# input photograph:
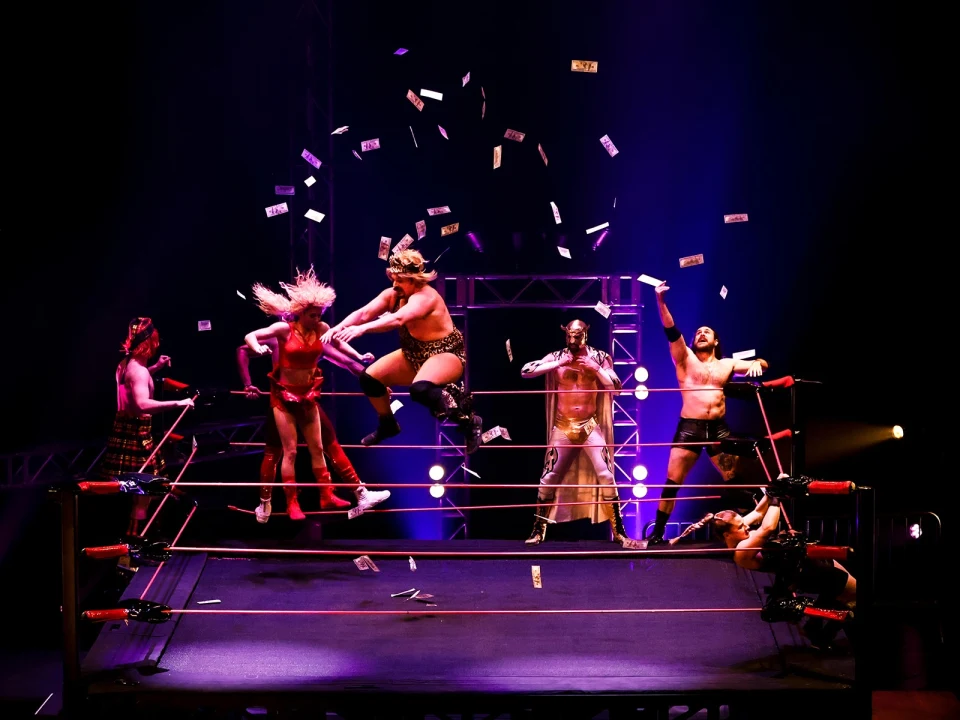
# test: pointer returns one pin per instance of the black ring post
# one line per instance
(69, 544)
(866, 554)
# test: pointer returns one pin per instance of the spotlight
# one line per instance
(639, 472)
(897, 432)
(915, 531)
(639, 490)
(437, 472)
(641, 375)
(475, 241)
(600, 238)
(641, 392)
(437, 490)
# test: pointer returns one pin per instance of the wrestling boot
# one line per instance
(539, 532)
(387, 427)
(293, 505)
(472, 429)
(341, 465)
(263, 511)
(366, 499)
(328, 501)
(620, 533)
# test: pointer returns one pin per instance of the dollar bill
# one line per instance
(361, 563)
(691, 260)
(514, 135)
(614, 202)
(466, 79)
(204, 325)
(603, 309)
(497, 155)
(417, 102)
(744, 355)
(483, 92)
(310, 181)
(395, 406)
(274, 210)
(284, 190)
(405, 242)
(242, 296)
(608, 145)
(495, 432)
(354, 512)
(564, 252)
(413, 136)
(651, 281)
(340, 130)
(542, 153)
(384, 251)
(357, 156)
(413, 564)
(400, 51)
(466, 469)
(723, 292)
(483, 110)
(314, 215)
(505, 434)
(310, 158)
(370, 145)
(556, 212)
(431, 94)
(443, 132)
(735, 218)
(601, 226)
(537, 580)
(449, 229)
(589, 66)
(509, 352)
(442, 210)
(421, 229)
(370, 563)
(411, 591)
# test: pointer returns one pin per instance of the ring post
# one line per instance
(866, 567)
(69, 545)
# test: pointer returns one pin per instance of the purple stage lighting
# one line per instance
(600, 238)
(475, 241)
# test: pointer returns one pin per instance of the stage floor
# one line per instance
(595, 654)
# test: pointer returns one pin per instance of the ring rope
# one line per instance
(572, 611)
(143, 533)
(459, 553)
(499, 447)
(157, 571)
(465, 486)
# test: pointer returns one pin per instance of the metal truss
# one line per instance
(55, 463)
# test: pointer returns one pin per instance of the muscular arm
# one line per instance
(376, 307)
(750, 367)
(539, 367)
(332, 353)
(417, 307)
(678, 348)
(244, 353)
(757, 514)
(607, 375)
(276, 331)
(759, 537)
(137, 380)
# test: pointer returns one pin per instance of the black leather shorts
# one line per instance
(704, 431)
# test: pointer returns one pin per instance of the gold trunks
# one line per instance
(576, 430)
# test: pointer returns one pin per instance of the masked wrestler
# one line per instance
(273, 448)
(130, 442)
(296, 379)
(431, 358)
(581, 427)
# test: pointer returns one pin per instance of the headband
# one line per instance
(411, 268)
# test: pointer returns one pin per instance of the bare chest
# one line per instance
(575, 377)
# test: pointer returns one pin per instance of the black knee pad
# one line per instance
(371, 386)
(670, 493)
(433, 397)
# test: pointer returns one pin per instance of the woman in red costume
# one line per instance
(296, 379)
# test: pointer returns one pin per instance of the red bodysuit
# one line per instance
(294, 355)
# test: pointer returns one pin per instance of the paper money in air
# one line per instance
(276, 209)
(284, 190)
(652, 281)
(431, 94)
(370, 145)
(413, 564)
(483, 110)
(601, 226)
(514, 135)
(384, 251)
(691, 260)
(311, 158)
(744, 354)
(417, 102)
(413, 136)
(497, 155)
(509, 352)
(564, 252)
(242, 296)
(589, 66)
(400, 51)
(354, 512)
(204, 325)
(449, 229)
(405, 242)
(443, 132)
(442, 210)
(608, 145)
(723, 291)
(542, 154)
(466, 79)
(314, 215)
(310, 181)
(357, 155)
(370, 563)
(495, 432)
(361, 563)
(395, 405)
(556, 212)
(735, 218)
(421, 229)
(603, 309)
(340, 130)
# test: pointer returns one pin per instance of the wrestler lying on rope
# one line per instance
(762, 549)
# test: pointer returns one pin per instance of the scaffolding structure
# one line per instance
(619, 293)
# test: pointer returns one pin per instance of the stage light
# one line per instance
(915, 531)
(639, 472)
(437, 472)
(437, 490)
(639, 490)
(897, 432)
(600, 238)
(475, 241)
(641, 392)
(641, 375)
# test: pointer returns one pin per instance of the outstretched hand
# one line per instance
(348, 333)
(327, 337)
(661, 289)
(367, 358)
(756, 369)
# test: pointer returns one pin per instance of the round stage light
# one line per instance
(915, 531)
(639, 490)
(437, 472)
(641, 392)
(897, 432)
(640, 472)
(641, 375)
(437, 490)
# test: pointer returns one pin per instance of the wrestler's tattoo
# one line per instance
(726, 462)
(531, 366)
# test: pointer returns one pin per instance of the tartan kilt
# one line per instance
(128, 446)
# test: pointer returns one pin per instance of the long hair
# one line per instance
(306, 292)
(719, 523)
(409, 265)
(142, 341)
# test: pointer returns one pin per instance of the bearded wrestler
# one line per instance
(581, 428)
(431, 358)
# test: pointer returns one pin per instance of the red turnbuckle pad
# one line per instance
(107, 551)
(106, 615)
(827, 552)
(838, 615)
(830, 487)
(96, 487)
(783, 382)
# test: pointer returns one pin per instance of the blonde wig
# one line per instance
(306, 292)
(410, 265)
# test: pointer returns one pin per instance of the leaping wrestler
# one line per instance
(580, 430)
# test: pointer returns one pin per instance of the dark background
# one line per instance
(149, 136)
